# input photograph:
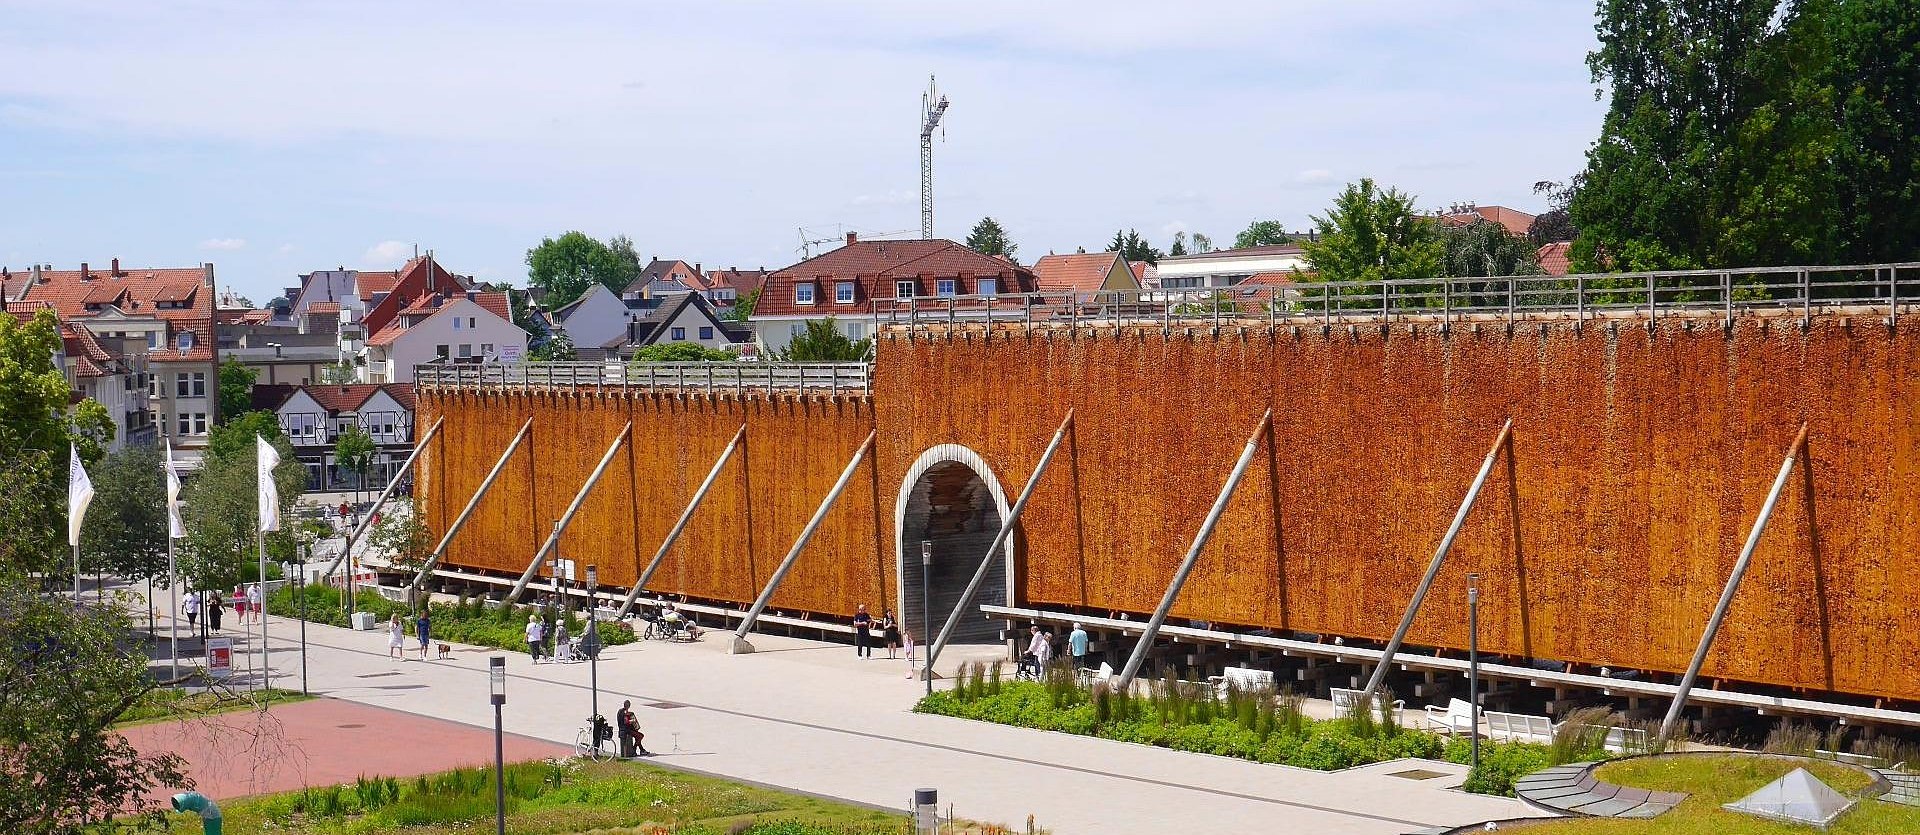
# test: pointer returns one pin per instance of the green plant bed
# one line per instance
(167, 704)
(549, 797)
(1714, 779)
(464, 622)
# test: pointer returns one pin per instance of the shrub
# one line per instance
(1501, 764)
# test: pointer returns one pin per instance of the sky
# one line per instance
(273, 138)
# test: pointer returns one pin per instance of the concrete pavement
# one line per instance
(811, 717)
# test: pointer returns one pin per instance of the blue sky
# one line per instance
(277, 138)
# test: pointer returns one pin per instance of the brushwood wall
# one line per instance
(1639, 460)
(793, 451)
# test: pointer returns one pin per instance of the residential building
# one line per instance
(1515, 221)
(1223, 268)
(1553, 258)
(313, 416)
(275, 349)
(663, 278)
(686, 317)
(854, 282)
(465, 326)
(1086, 272)
(595, 320)
(156, 322)
(726, 287)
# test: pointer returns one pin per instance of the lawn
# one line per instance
(1714, 780)
(550, 797)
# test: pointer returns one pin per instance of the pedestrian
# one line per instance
(889, 631)
(423, 628)
(906, 638)
(862, 641)
(240, 604)
(255, 603)
(629, 728)
(1077, 646)
(191, 603)
(396, 638)
(214, 607)
(536, 633)
(561, 651)
(1037, 651)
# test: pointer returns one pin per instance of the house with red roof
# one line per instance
(1516, 222)
(1553, 258)
(866, 282)
(467, 326)
(314, 416)
(1222, 268)
(156, 323)
(1084, 272)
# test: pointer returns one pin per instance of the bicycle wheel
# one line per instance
(583, 744)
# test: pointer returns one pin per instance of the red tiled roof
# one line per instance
(1080, 272)
(178, 291)
(402, 393)
(136, 291)
(1553, 258)
(419, 277)
(874, 266)
(324, 307)
(386, 335)
(1515, 221)
(741, 281)
(345, 398)
(24, 311)
(271, 396)
(101, 292)
(369, 282)
(90, 358)
(1139, 271)
(495, 303)
(1276, 279)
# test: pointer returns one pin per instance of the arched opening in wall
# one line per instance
(952, 507)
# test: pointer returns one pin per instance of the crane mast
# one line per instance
(932, 107)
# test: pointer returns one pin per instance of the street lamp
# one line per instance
(497, 681)
(926, 610)
(592, 644)
(1473, 665)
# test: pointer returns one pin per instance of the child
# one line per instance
(906, 637)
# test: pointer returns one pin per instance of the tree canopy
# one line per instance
(236, 389)
(567, 266)
(125, 532)
(36, 425)
(1133, 247)
(353, 451)
(220, 510)
(1371, 234)
(1262, 233)
(823, 342)
(1485, 248)
(989, 238)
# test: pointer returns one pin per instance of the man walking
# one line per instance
(1077, 646)
(862, 639)
(191, 605)
(536, 633)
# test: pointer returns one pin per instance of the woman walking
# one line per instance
(214, 607)
(889, 631)
(424, 629)
(191, 605)
(396, 638)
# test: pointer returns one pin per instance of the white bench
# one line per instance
(1245, 679)
(1865, 760)
(1625, 741)
(1346, 701)
(1456, 718)
(1519, 727)
(1088, 676)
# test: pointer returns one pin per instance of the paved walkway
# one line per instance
(811, 717)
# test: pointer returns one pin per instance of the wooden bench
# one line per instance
(1519, 727)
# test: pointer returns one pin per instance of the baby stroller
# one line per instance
(1029, 669)
(585, 647)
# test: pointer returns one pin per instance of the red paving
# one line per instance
(322, 742)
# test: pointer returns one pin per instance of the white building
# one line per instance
(683, 318)
(443, 328)
(314, 416)
(593, 321)
(1226, 267)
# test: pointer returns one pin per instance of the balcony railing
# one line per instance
(709, 377)
(1882, 289)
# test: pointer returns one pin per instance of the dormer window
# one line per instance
(904, 289)
(185, 341)
(945, 287)
(803, 293)
(843, 292)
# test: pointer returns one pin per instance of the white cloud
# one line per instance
(228, 244)
(387, 254)
(1313, 177)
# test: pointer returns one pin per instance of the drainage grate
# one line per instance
(377, 675)
(351, 725)
(1417, 774)
(400, 687)
(666, 705)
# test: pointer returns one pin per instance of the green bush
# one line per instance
(1501, 764)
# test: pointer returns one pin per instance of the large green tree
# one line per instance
(1133, 247)
(990, 238)
(565, 267)
(353, 451)
(125, 533)
(742, 309)
(37, 421)
(236, 389)
(222, 510)
(823, 342)
(1262, 233)
(1371, 234)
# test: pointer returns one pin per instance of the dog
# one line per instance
(444, 650)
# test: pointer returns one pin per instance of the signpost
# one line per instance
(220, 657)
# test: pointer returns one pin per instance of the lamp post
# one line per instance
(1473, 666)
(497, 680)
(592, 642)
(926, 610)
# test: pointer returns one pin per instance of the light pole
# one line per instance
(592, 642)
(1473, 665)
(497, 680)
(926, 610)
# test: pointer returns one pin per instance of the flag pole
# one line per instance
(173, 592)
(266, 676)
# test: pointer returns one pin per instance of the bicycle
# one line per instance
(585, 744)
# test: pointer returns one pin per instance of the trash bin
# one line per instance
(363, 621)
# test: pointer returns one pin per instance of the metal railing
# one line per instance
(1881, 288)
(707, 377)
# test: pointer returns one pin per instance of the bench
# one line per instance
(1519, 727)
(1345, 702)
(1244, 679)
(1088, 676)
(1864, 760)
(1625, 741)
(1456, 718)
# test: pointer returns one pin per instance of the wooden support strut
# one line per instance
(999, 539)
(1193, 553)
(553, 539)
(1672, 720)
(1433, 568)
(440, 550)
(681, 524)
(740, 644)
(418, 447)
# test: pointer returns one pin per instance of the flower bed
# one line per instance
(465, 622)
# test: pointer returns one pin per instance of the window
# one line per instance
(843, 292)
(302, 428)
(795, 329)
(945, 287)
(186, 423)
(186, 341)
(706, 331)
(1180, 283)
(856, 331)
(199, 384)
(153, 386)
(456, 323)
(440, 351)
(190, 385)
(199, 423)
(153, 340)
(904, 289)
(486, 349)
(803, 293)
(161, 421)
(469, 323)
(679, 334)
(988, 286)
(466, 350)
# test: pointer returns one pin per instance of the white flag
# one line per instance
(79, 494)
(269, 494)
(175, 529)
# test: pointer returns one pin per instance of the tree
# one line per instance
(630, 263)
(989, 238)
(236, 389)
(1372, 234)
(221, 510)
(1201, 243)
(1871, 65)
(1485, 248)
(1262, 233)
(353, 451)
(682, 352)
(742, 309)
(558, 347)
(403, 538)
(823, 342)
(1179, 244)
(64, 683)
(125, 532)
(565, 267)
(1133, 247)
(37, 423)
(338, 374)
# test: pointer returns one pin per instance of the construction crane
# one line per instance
(932, 107)
(809, 243)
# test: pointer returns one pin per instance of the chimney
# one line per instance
(35, 278)
(83, 271)
(116, 268)
(206, 273)
(853, 238)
